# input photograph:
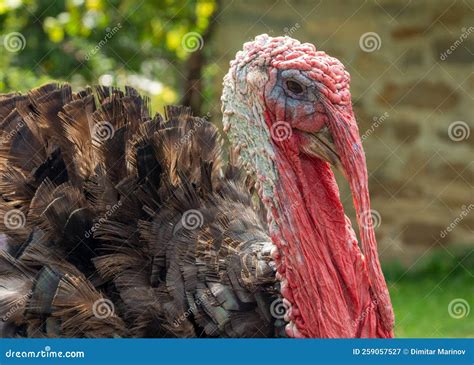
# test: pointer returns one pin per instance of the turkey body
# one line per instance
(120, 224)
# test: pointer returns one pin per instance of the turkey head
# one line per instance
(287, 110)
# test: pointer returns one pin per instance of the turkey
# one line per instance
(120, 224)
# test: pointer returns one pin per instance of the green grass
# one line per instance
(422, 295)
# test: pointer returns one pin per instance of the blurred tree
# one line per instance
(145, 44)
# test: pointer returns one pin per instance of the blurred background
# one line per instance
(412, 87)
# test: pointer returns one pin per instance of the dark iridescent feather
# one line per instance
(105, 222)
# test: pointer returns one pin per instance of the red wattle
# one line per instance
(320, 258)
(345, 133)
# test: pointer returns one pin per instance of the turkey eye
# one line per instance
(294, 87)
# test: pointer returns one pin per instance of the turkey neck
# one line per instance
(322, 271)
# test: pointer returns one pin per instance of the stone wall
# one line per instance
(412, 87)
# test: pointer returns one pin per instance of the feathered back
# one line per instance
(123, 224)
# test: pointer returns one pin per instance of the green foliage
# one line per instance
(422, 307)
(437, 264)
(423, 292)
(79, 41)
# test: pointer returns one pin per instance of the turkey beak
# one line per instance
(321, 145)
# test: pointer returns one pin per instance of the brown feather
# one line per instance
(105, 221)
